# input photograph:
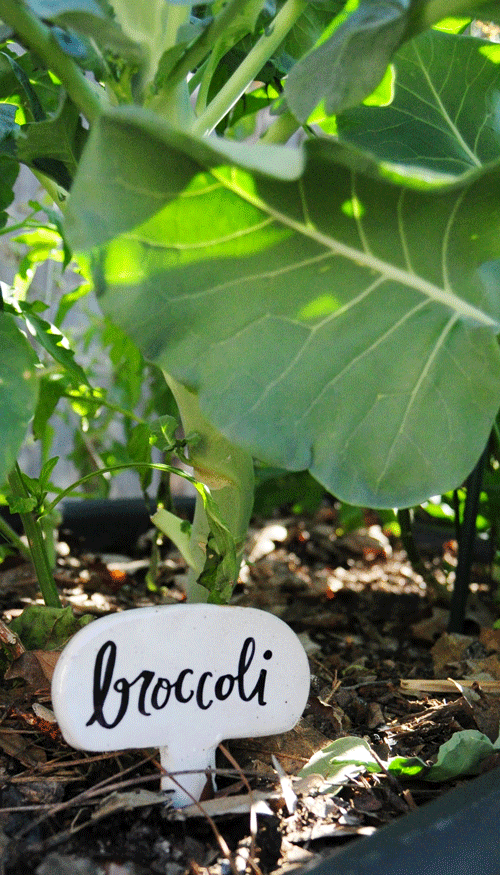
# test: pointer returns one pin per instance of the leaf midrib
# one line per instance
(462, 308)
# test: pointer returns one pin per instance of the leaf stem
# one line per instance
(157, 466)
(195, 54)
(13, 538)
(35, 35)
(282, 128)
(250, 67)
(36, 543)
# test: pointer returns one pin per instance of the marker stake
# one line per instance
(181, 678)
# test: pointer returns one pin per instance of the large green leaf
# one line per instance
(333, 322)
(350, 59)
(18, 390)
(444, 112)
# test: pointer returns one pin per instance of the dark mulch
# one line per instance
(370, 625)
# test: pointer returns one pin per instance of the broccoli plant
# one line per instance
(293, 209)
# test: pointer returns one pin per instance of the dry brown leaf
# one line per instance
(448, 654)
(36, 667)
(14, 745)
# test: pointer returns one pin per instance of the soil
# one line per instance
(375, 634)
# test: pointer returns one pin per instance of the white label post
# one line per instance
(181, 678)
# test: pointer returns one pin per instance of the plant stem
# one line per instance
(226, 470)
(196, 53)
(282, 128)
(36, 543)
(38, 37)
(13, 538)
(156, 466)
(250, 67)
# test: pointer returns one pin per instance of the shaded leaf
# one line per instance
(444, 112)
(43, 628)
(35, 667)
(54, 342)
(59, 138)
(18, 390)
(317, 329)
(349, 62)
(460, 755)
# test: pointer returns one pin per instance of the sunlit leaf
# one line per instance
(318, 328)
(444, 115)
(18, 391)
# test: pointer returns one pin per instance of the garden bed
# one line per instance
(372, 628)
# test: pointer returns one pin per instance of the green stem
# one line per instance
(195, 54)
(35, 35)
(226, 470)
(250, 67)
(282, 128)
(13, 538)
(36, 543)
(157, 466)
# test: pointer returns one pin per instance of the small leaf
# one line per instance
(179, 532)
(139, 448)
(343, 759)
(460, 755)
(43, 628)
(163, 431)
(18, 390)
(54, 342)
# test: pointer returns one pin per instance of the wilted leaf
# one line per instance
(36, 667)
(460, 755)
(43, 628)
(340, 761)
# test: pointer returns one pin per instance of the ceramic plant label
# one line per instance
(180, 678)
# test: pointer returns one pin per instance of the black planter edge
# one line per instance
(457, 833)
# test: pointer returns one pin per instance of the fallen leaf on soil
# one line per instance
(292, 749)
(490, 639)
(36, 667)
(448, 653)
(14, 745)
(430, 627)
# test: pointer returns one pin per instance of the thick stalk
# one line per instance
(35, 35)
(36, 544)
(250, 67)
(282, 128)
(226, 470)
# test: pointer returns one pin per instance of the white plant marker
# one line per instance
(180, 678)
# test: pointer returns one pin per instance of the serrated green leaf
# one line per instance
(57, 139)
(19, 504)
(43, 628)
(54, 342)
(318, 330)
(163, 431)
(443, 115)
(18, 391)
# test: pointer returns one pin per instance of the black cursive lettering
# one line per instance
(116, 694)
